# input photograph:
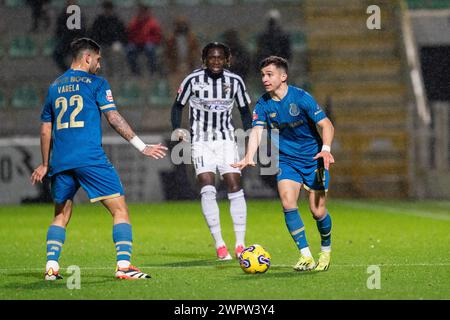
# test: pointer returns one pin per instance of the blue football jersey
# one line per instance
(295, 118)
(73, 105)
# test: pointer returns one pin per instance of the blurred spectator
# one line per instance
(240, 58)
(144, 35)
(273, 40)
(182, 51)
(108, 31)
(39, 11)
(64, 36)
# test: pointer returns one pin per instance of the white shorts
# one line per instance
(208, 156)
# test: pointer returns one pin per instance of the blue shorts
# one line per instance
(100, 182)
(314, 177)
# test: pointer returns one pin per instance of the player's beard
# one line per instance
(93, 70)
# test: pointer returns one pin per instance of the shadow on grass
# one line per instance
(273, 273)
(180, 255)
(36, 281)
(195, 260)
(194, 263)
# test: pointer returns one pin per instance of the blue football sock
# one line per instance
(324, 227)
(56, 236)
(296, 227)
(123, 240)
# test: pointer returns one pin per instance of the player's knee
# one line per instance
(208, 192)
(234, 188)
(287, 201)
(63, 212)
(288, 204)
(120, 211)
(318, 212)
(61, 220)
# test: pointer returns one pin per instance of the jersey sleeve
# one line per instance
(242, 96)
(184, 91)
(104, 97)
(259, 116)
(312, 108)
(47, 113)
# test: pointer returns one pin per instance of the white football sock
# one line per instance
(123, 264)
(326, 248)
(52, 264)
(238, 210)
(210, 211)
(306, 252)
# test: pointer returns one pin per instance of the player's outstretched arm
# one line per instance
(175, 117)
(46, 139)
(327, 137)
(121, 126)
(246, 116)
(253, 144)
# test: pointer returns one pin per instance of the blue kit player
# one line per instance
(304, 156)
(72, 154)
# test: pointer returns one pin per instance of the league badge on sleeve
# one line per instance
(109, 96)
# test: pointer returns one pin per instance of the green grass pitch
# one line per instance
(408, 241)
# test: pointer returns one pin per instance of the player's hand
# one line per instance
(327, 158)
(38, 174)
(156, 151)
(243, 163)
(181, 135)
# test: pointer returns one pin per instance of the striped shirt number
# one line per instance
(61, 102)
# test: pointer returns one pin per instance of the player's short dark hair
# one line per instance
(79, 45)
(278, 62)
(108, 5)
(214, 45)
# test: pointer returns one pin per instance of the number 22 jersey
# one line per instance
(74, 104)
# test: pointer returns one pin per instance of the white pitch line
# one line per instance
(274, 265)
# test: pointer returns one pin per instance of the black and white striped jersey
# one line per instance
(211, 103)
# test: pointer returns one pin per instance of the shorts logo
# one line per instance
(255, 116)
(273, 115)
(109, 96)
(294, 110)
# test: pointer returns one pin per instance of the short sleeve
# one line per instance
(242, 96)
(184, 91)
(104, 97)
(259, 116)
(312, 108)
(47, 113)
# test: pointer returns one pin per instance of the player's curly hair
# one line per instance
(219, 45)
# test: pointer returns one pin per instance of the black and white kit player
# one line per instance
(212, 91)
